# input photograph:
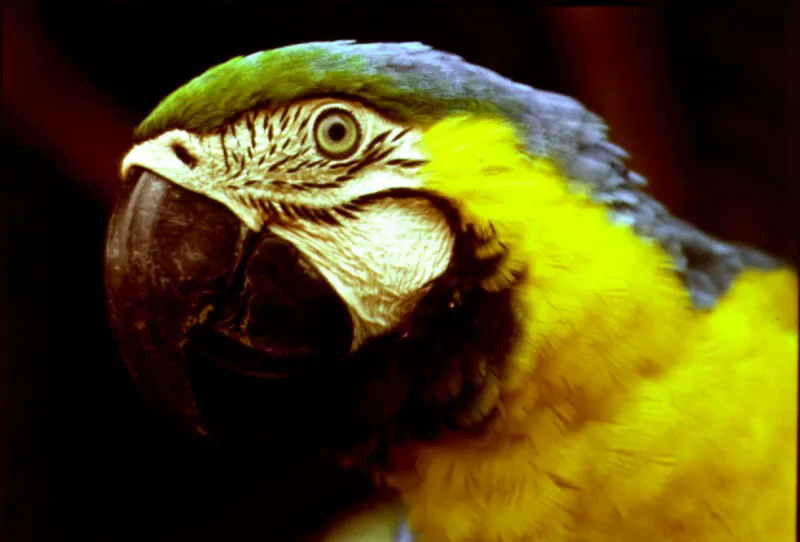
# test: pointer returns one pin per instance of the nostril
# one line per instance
(184, 155)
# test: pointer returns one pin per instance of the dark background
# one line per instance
(700, 97)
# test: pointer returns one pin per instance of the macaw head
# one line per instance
(350, 206)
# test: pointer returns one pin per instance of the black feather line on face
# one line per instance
(341, 165)
(296, 115)
(352, 206)
(380, 156)
(415, 163)
(345, 212)
(406, 163)
(324, 216)
(302, 212)
(328, 185)
(298, 167)
(284, 118)
(303, 124)
(358, 167)
(259, 204)
(224, 151)
(377, 140)
(251, 127)
(279, 163)
(296, 186)
(376, 155)
(400, 135)
(241, 160)
(293, 211)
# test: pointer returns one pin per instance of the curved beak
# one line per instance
(186, 280)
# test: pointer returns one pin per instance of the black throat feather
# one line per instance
(390, 390)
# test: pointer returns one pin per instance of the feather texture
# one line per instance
(416, 84)
(624, 413)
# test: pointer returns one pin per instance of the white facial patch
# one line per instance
(269, 155)
(270, 168)
(381, 262)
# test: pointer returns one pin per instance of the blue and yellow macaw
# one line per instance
(534, 348)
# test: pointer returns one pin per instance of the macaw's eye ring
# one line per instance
(337, 133)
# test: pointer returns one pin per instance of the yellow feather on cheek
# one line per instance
(588, 282)
(624, 413)
(477, 164)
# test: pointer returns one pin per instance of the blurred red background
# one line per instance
(703, 99)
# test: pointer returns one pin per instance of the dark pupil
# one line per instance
(336, 131)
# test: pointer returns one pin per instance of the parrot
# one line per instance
(499, 321)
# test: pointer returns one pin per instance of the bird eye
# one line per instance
(337, 133)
